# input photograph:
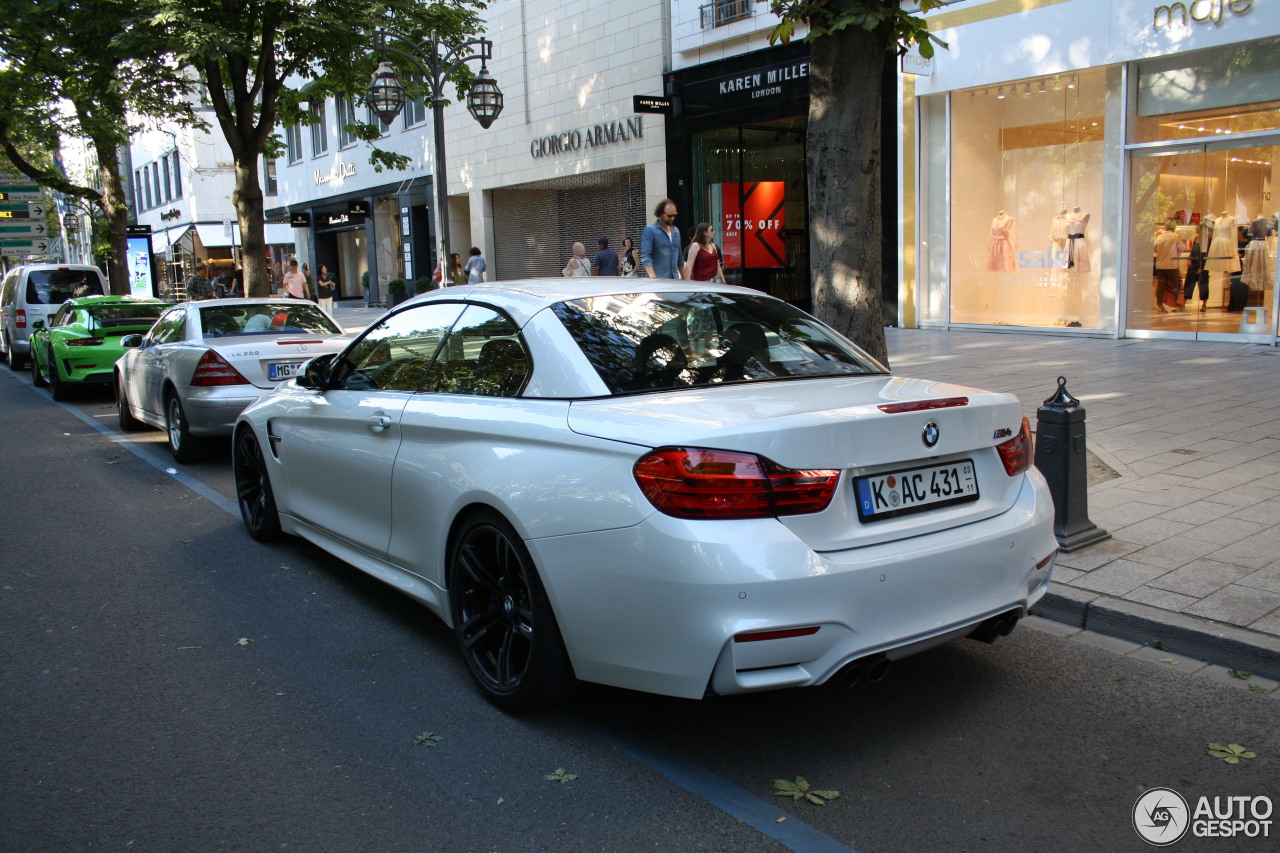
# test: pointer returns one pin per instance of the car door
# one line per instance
(146, 365)
(339, 445)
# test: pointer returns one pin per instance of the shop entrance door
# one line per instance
(1202, 242)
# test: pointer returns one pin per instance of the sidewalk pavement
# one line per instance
(1192, 430)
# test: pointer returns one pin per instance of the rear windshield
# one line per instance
(648, 341)
(289, 318)
(54, 287)
(126, 314)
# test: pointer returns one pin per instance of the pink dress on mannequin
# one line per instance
(1004, 243)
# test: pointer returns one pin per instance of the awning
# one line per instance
(215, 236)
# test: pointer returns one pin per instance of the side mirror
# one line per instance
(315, 373)
(131, 341)
(38, 324)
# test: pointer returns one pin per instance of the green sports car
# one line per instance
(81, 342)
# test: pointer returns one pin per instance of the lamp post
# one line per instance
(435, 60)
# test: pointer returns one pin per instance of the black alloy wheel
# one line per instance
(57, 387)
(503, 619)
(184, 446)
(253, 488)
(128, 423)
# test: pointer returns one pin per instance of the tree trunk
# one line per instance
(115, 210)
(247, 198)
(844, 167)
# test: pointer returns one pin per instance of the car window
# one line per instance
(53, 287)
(295, 317)
(171, 327)
(114, 314)
(483, 355)
(648, 341)
(65, 317)
(394, 354)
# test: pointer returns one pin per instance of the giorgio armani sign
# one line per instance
(596, 136)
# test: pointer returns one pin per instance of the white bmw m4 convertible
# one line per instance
(684, 488)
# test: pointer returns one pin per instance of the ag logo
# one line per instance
(1161, 817)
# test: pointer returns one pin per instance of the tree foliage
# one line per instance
(849, 39)
(262, 61)
(77, 69)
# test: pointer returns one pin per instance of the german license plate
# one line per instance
(901, 492)
(279, 370)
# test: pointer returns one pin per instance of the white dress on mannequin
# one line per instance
(1223, 253)
(1078, 245)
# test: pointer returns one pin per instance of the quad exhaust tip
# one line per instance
(873, 668)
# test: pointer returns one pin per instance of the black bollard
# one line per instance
(1061, 459)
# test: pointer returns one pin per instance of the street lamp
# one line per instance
(435, 61)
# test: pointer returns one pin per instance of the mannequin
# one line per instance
(1058, 230)
(1078, 246)
(1167, 251)
(1258, 269)
(1004, 243)
(1223, 258)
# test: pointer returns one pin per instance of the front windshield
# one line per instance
(295, 317)
(651, 341)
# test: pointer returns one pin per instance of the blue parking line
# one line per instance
(768, 819)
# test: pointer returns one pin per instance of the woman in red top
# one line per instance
(703, 261)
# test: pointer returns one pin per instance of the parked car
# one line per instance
(81, 343)
(31, 293)
(688, 489)
(203, 362)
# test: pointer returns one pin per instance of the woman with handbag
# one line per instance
(578, 264)
(703, 261)
(630, 261)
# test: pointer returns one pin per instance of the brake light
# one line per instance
(1016, 452)
(213, 369)
(691, 482)
(20, 319)
(84, 342)
(923, 405)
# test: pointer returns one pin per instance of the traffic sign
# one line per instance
(21, 228)
(29, 210)
(23, 247)
(20, 192)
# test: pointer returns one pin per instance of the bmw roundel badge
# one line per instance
(930, 435)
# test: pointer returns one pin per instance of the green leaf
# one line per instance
(1231, 753)
(1236, 673)
(1257, 688)
(560, 776)
(799, 790)
(427, 739)
(1169, 660)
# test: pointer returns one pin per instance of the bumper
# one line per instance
(213, 411)
(660, 613)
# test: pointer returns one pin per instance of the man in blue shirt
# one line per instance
(606, 260)
(660, 244)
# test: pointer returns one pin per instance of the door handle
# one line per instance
(378, 423)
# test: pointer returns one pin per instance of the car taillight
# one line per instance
(20, 319)
(691, 482)
(84, 342)
(213, 369)
(1016, 452)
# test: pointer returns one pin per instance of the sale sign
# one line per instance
(754, 215)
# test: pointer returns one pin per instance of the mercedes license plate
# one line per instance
(279, 370)
(902, 492)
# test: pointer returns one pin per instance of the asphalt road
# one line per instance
(170, 685)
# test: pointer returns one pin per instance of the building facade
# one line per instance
(567, 161)
(1103, 167)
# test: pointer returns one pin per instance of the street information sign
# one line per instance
(30, 210)
(22, 228)
(19, 192)
(23, 247)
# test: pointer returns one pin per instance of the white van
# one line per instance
(34, 292)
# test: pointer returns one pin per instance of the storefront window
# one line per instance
(1026, 202)
(1212, 93)
(1203, 241)
(749, 183)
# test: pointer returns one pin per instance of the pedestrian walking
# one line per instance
(577, 264)
(311, 282)
(295, 283)
(198, 284)
(660, 243)
(476, 266)
(457, 274)
(606, 260)
(703, 258)
(326, 287)
(630, 261)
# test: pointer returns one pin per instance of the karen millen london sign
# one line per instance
(596, 136)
